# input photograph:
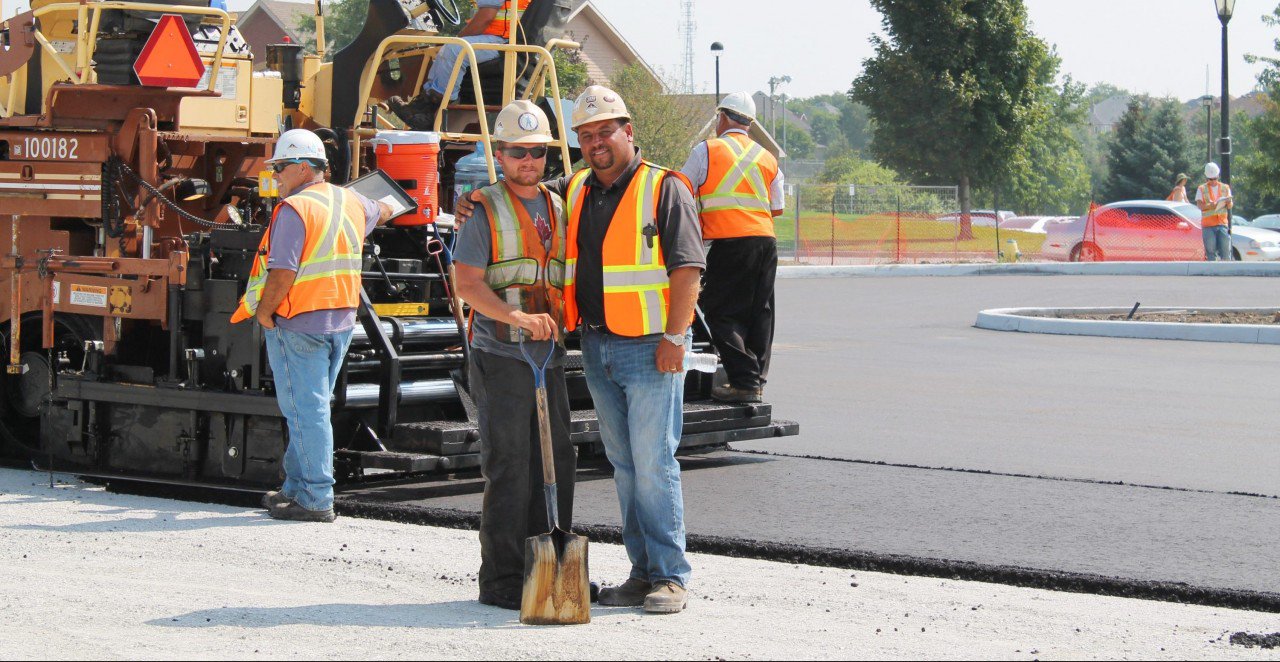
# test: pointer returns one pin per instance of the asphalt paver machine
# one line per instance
(133, 196)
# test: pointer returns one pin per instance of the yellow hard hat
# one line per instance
(598, 103)
(522, 122)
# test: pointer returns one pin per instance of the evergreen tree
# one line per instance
(1148, 148)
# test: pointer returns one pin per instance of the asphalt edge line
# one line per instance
(1068, 582)
(1003, 474)
(1259, 269)
(1046, 320)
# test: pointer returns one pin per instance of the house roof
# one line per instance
(285, 13)
(587, 8)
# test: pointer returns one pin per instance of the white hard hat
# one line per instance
(598, 103)
(1211, 170)
(740, 103)
(298, 144)
(522, 122)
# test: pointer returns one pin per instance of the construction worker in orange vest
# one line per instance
(491, 24)
(303, 289)
(633, 259)
(739, 190)
(510, 262)
(1215, 202)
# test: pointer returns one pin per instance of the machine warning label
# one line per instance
(88, 295)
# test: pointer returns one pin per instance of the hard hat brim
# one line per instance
(297, 158)
(602, 117)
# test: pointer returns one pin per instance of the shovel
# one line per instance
(556, 591)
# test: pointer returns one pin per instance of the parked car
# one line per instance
(1266, 222)
(1252, 243)
(1137, 230)
(980, 217)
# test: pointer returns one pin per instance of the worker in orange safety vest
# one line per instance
(740, 191)
(1215, 202)
(303, 289)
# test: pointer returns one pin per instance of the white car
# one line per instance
(1251, 243)
(980, 217)
(1141, 230)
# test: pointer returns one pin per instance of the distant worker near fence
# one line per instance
(1179, 192)
(739, 190)
(1214, 199)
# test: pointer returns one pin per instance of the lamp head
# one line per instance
(1225, 9)
(192, 189)
(1206, 100)
(717, 48)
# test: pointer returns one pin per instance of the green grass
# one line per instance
(882, 232)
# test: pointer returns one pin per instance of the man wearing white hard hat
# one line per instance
(510, 269)
(303, 289)
(739, 189)
(1214, 199)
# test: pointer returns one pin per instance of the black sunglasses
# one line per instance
(521, 152)
(279, 166)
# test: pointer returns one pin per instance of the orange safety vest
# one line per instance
(521, 271)
(329, 271)
(500, 26)
(637, 292)
(1178, 194)
(734, 201)
(1212, 194)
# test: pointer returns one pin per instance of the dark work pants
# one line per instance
(511, 462)
(737, 302)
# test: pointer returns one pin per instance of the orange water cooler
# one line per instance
(411, 158)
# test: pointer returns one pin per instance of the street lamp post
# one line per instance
(1225, 9)
(1207, 102)
(774, 82)
(716, 49)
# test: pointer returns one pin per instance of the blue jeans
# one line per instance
(1217, 243)
(641, 414)
(306, 366)
(442, 65)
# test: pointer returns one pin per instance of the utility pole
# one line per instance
(774, 83)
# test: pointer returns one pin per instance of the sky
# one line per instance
(1157, 47)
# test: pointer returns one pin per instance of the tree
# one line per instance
(849, 169)
(571, 72)
(665, 125)
(1256, 168)
(799, 142)
(825, 127)
(952, 90)
(1049, 174)
(1149, 146)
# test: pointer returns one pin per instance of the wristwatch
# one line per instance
(676, 339)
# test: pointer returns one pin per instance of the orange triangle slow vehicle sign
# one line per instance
(169, 58)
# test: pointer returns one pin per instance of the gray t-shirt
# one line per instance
(288, 237)
(475, 249)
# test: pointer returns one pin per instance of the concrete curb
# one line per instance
(1047, 320)
(1262, 269)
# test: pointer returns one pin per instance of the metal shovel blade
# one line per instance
(556, 590)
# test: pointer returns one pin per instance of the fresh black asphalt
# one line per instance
(1152, 462)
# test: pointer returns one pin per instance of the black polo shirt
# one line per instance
(679, 232)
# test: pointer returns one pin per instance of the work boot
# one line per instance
(418, 114)
(274, 498)
(667, 597)
(631, 594)
(727, 393)
(290, 510)
(501, 599)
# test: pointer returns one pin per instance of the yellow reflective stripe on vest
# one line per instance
(746, 165)
(647, 278)
(257, 276)
(326, 260)
(510, 242)
(520, 271)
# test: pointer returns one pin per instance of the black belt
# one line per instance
(597, 328)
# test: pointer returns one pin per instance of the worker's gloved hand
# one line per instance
(540, 326)
(465, 207)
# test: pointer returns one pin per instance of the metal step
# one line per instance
(448, 438)
(414, 462)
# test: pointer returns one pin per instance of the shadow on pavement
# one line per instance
(453, 614)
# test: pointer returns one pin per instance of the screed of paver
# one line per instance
(92, 574)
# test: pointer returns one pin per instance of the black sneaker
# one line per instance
(274, 498)
(290, 510)
(501, 600)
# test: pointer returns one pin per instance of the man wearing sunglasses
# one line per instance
(510, 269)
(303, 289)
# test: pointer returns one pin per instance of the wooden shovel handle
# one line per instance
(544, 438)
